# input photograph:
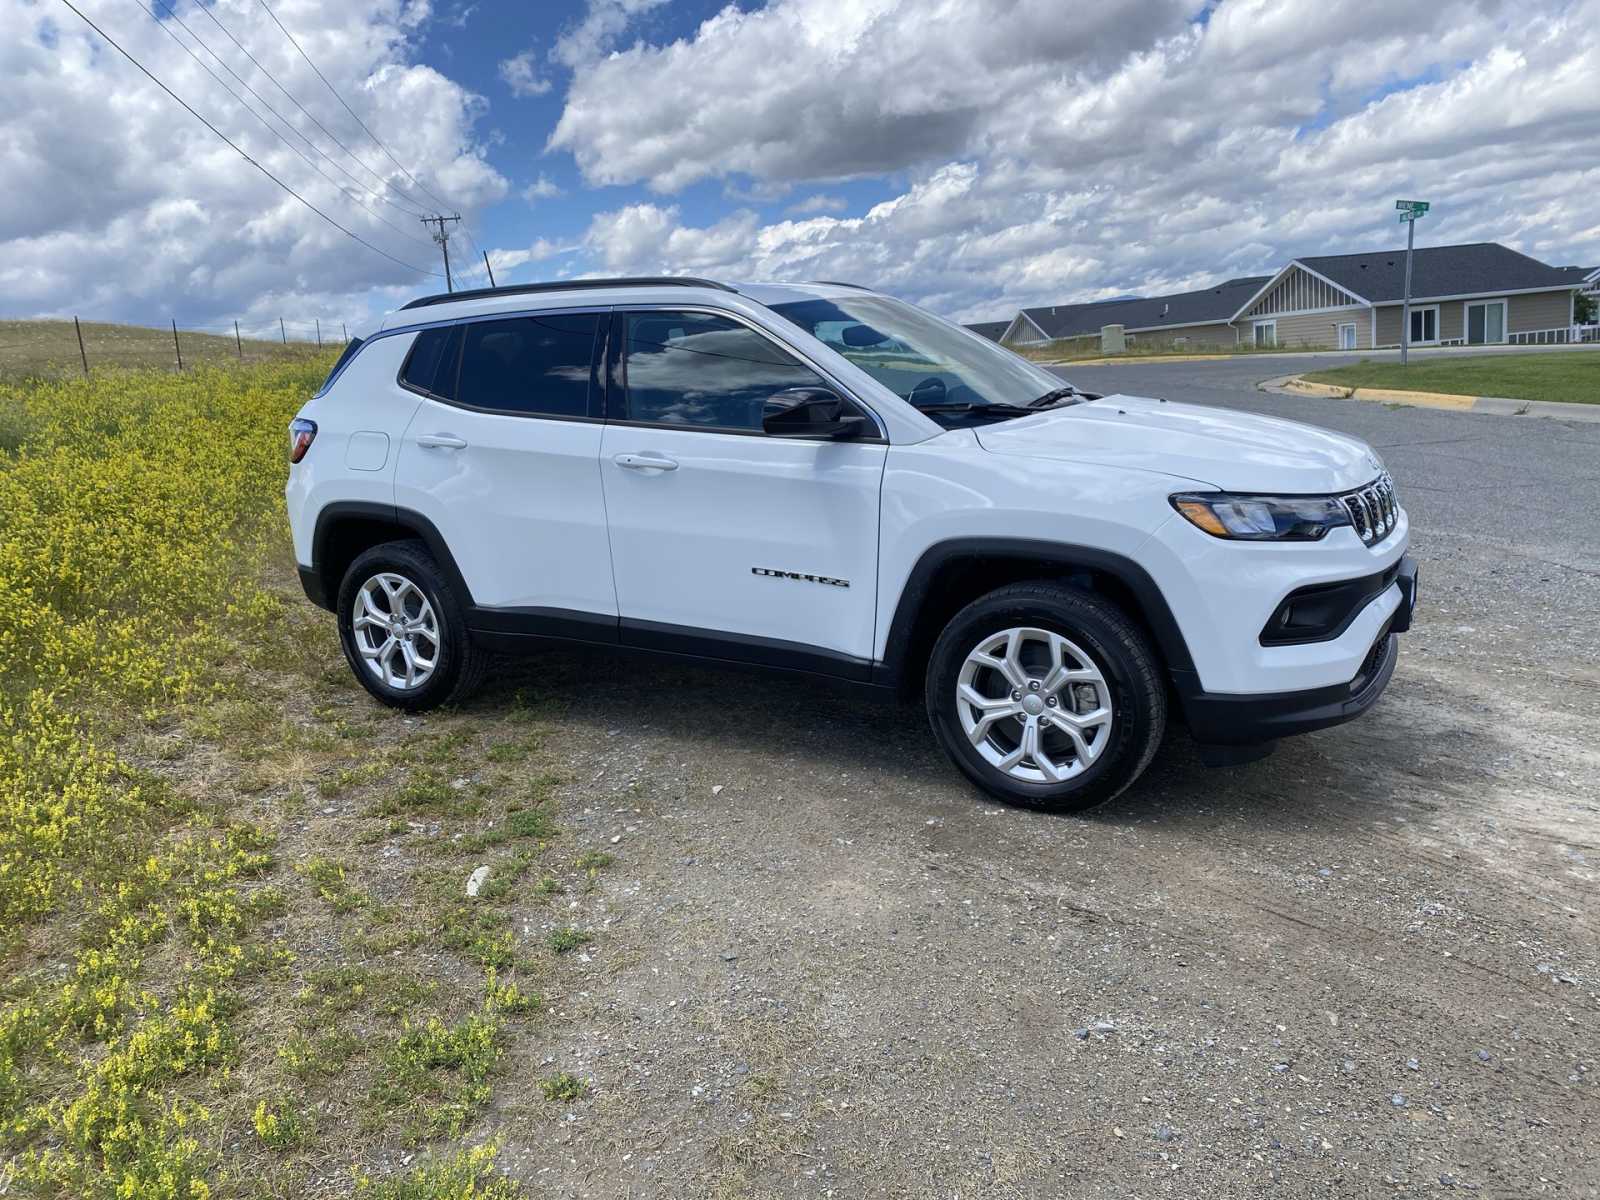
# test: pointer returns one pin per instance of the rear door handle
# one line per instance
(646, 462)
(441, 441)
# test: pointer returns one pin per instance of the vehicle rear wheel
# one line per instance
(1047, 696)
(404, 631)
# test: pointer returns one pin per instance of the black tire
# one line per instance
(1119, 649)
(460, 664)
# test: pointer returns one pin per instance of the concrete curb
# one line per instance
(1499, 406)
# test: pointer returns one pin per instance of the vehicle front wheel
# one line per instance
(403, 630)
(1046, 696)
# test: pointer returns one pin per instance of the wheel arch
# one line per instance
(951, 574)
(347, 528)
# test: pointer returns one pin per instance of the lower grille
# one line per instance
(1373, 509)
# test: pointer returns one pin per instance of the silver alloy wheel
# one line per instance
(1034, 705)
(396, 631)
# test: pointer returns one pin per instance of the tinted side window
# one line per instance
(534, 365)
(422, 364)
(696, 369)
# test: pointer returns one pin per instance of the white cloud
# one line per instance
(1131, 149)
(521, 75)
(542, 188)
(818, 203)
(602, 23)
(133, 210)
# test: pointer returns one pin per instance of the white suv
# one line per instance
(819, 478)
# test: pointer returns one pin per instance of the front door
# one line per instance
(503, 457)
(1347, 337)
(725, 540)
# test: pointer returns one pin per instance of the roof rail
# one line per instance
(567, 285)
(860, 287)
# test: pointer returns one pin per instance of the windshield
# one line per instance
(922, 358)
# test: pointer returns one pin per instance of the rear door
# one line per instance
(725, 540)
(502, 456)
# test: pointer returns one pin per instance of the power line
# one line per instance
(287, 124)
(146, 72)
(333, 137)
(347, 107)
(265, 123)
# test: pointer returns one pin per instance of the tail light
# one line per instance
(301, 434)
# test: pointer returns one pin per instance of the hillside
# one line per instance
(50, 348)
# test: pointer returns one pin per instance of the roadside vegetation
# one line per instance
(49, 349)
(1571, 376)
(237, 955)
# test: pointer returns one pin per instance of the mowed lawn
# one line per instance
(1566, 375)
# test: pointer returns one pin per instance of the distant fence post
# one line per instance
(81, 353)
(237, 341)
(344, 333)
(282, 332)
(175, 346)
(319, 333)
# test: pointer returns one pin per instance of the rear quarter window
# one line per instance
(350, 349)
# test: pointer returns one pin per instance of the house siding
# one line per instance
(1539, 310)
(1195, 335)
(1524, 314)
(1314, 329)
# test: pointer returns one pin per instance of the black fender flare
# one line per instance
(332, 515)
(1062, 556)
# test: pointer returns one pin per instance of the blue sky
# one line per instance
(970, 155)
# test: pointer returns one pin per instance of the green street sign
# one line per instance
(1420, 206)
(1411, 214)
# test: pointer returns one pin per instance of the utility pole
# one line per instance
(1410, 210)
(442, 236)
(488, 268)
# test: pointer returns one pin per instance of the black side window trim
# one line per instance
(617, 380)
(597, 353)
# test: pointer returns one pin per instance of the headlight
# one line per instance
(1262, 518)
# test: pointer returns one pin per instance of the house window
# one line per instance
(1424, 325)
(1266, 333)
(1486, 323)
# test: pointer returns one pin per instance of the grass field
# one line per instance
(236, 956)
(1572, 376)
(50, 348)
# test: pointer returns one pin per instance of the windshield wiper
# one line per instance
(1068, 393)
(985, 407)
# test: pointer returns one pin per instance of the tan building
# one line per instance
(1477, 294)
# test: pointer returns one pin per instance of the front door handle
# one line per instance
(441, 441)
(646, 462)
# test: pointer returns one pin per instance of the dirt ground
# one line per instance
(824, 966)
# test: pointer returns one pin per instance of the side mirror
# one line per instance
(808, 412)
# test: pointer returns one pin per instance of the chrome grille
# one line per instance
(1374, 511)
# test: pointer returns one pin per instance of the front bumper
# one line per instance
(1224, 719)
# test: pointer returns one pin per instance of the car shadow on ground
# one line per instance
(1407, 756)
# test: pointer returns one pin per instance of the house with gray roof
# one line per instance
(1477, 294)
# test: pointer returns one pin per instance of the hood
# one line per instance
(1234, 451)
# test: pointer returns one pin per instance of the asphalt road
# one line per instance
(1503, 509)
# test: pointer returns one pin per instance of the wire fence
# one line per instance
(65, 346)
